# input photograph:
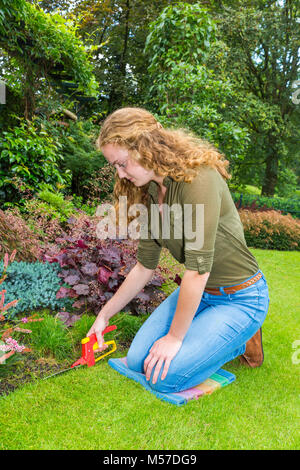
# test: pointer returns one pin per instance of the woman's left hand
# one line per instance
(163, 350)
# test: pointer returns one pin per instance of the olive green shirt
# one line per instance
(218, 243)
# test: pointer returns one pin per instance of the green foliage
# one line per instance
(258, 48)
(44, 41)
(36, 209)
(62, 209)
(127, 326)
(285, 205)
(184, 91)
(32, 155)
(51, 337)
(188, 29)
(80, 156)
(40, 52)
(89, 209)
(286, 183)
(91, 177)
(118, 30)
(34, 284)
(81, 327)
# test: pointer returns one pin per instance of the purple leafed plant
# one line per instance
(93, 270)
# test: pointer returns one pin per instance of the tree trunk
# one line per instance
(271, 174)
(125, 42)
(29, 94)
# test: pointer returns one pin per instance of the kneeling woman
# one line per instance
(217, 312)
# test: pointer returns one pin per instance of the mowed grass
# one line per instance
(97, 408)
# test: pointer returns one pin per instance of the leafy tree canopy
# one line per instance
(43, 46)
(183, 91)
(258, 49)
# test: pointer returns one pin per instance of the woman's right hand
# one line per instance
(98, 327)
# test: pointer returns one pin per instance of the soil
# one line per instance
(30, 367)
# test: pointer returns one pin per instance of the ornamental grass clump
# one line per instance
(81, 327)
(271, 230)
(51, 338)
(127, 327)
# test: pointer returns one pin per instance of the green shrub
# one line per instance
(80, 155)
(271, 230)
(32, 156)
(48, 205)
(63, 208)
(286, 205)
(89, 209)
(35, 284)
(51, 337)
(16, 234)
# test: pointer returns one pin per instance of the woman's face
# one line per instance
(126, 167)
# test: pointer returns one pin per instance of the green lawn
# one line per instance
(97, 408)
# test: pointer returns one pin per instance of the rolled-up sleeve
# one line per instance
(201, 201)
(148, 253)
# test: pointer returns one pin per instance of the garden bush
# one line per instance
(44, 220)
(34, 284)
(15, 234)
(64, 208)
(80, 155)
(47, 211)
(94, 273)
(271, 230)
(31, 154)
(254, 202)
(94, 269)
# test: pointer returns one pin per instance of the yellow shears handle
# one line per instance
(107, 353)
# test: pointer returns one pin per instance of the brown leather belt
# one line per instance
(233, 289)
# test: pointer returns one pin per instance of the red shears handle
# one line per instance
(88, 346)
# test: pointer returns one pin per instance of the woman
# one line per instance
(217, 312)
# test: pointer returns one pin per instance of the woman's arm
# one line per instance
(166, 348)
(190, 294)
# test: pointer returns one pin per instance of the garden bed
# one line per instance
(39, 360)
(28, 368)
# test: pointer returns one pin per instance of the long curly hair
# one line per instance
(174, 152)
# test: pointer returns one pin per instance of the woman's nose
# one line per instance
(121, 173)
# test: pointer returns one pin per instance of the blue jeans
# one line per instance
(218, 333)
